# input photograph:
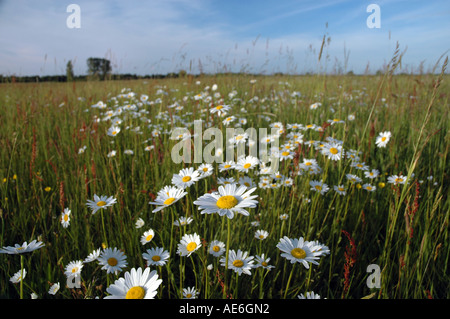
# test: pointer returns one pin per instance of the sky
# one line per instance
(159, 37)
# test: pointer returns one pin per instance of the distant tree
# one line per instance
(69, 71)
(98, 67)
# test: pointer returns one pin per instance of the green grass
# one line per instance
(404, 230)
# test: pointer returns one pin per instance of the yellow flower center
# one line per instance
(135, 292)
(112, 261)
(334, 150)
(216, 249)
(101, 203)
(298, 253)
(238, 138)
(264, 264)
(227, 202)
(247, 165)
(340, 188)
(74, 269)
(261, 236)
(227, 166)
(156, 258)
(219, 107)
(308, 164)
(191, 246)
(186, 179)
(205, 169)
(383, 138)
(189, 296)
(169, 201)
(399, 180)
(149, 237)
(285, 153)
(66, 218)
(247, 184)
(238, 263)
(318, 187)
(114, 132)
(369, 188)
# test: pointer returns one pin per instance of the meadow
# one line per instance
(348, 214)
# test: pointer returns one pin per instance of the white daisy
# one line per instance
(333, 151)
(309, 295)
(24, 248)
(183, 221)
(262, 261)
(227, 201)
(54, 289)
(216, 248)
(261, 234)
(147, 236)
(185, 178)
(113, 131)
(205, 170)
(246, 163)
(320, 187)
(92, 256)
(297, 250)
(156, 256)
(73, 269)
(340, 189)
(65, 217)
(112, 260)
(136, 284)
(383, 138)
(190, 293)
(189, 244)
(100, 202)
(18, 276)
(226, 166)
(167, 196)
(239, 261)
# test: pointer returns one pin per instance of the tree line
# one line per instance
(99, 69)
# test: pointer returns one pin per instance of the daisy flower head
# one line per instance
(246, 181)
(100, 202)
(139, 223)
(216, 248)
(382, 139)
(247, 163)
(21, 249)
(226, 166)
(189, 243)
(262, 261)
(73, 269)
(136, 284)
(309, 295)
(229, 199)
(156, 256)
(113, 130)
(368, 187)
(54, 289)
(92, 256)
(396, 179)
(261, 234)
(340, 189)
(147, 236)
(205, 170)
(239, 261)
(65, 217)
(190, 293)
(112, 260)
(183, 221)
(185, 178)
(167, 196)
(229, 120)
(297, 251)
(18, 276)
(220, 109)
(372, 174)
(238, 139)
(353, 178)
(225, 180)
(333, 151)
(319, 186)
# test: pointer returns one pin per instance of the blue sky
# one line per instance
(157, 37)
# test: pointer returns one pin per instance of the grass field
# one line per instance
(56, 154)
